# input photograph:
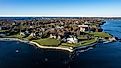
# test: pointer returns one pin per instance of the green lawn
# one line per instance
(81, 43)
(100, 34)
(68, 44)
(48, 42)
(81, 37)
(3, 30)
(87, 42)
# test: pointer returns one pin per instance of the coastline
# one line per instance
(69, 49)
(34, 43)
(46, 47)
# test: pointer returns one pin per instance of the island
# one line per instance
(66, 33)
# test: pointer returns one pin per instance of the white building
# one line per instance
(22, 33)
(32, 34)
(72, 39)
(61, 23)
(60, 27)
(83, 28)
(31, 27)
(86, 22)
(52, 36)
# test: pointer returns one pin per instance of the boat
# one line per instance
(46, 59)
(17, 51)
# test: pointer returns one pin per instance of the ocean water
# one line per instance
(103, 55)
(15, 54)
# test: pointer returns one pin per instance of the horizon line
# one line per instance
(53, 16)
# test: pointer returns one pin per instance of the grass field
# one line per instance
(48, 42)
(88, 42)
(100, 34)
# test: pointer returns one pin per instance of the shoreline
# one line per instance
(36, 44)
(46, 47)
(69, 49)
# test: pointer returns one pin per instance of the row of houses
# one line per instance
(65, 30)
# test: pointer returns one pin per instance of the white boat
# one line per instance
(17, 51)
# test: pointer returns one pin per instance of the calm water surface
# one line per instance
(103, 56)
(15, 54)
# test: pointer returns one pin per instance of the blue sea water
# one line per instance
(104, 55)
(15, 54)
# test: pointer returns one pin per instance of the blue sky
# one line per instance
(60, 8)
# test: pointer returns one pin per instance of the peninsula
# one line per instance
(64, 33)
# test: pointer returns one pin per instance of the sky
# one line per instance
(83, 8)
